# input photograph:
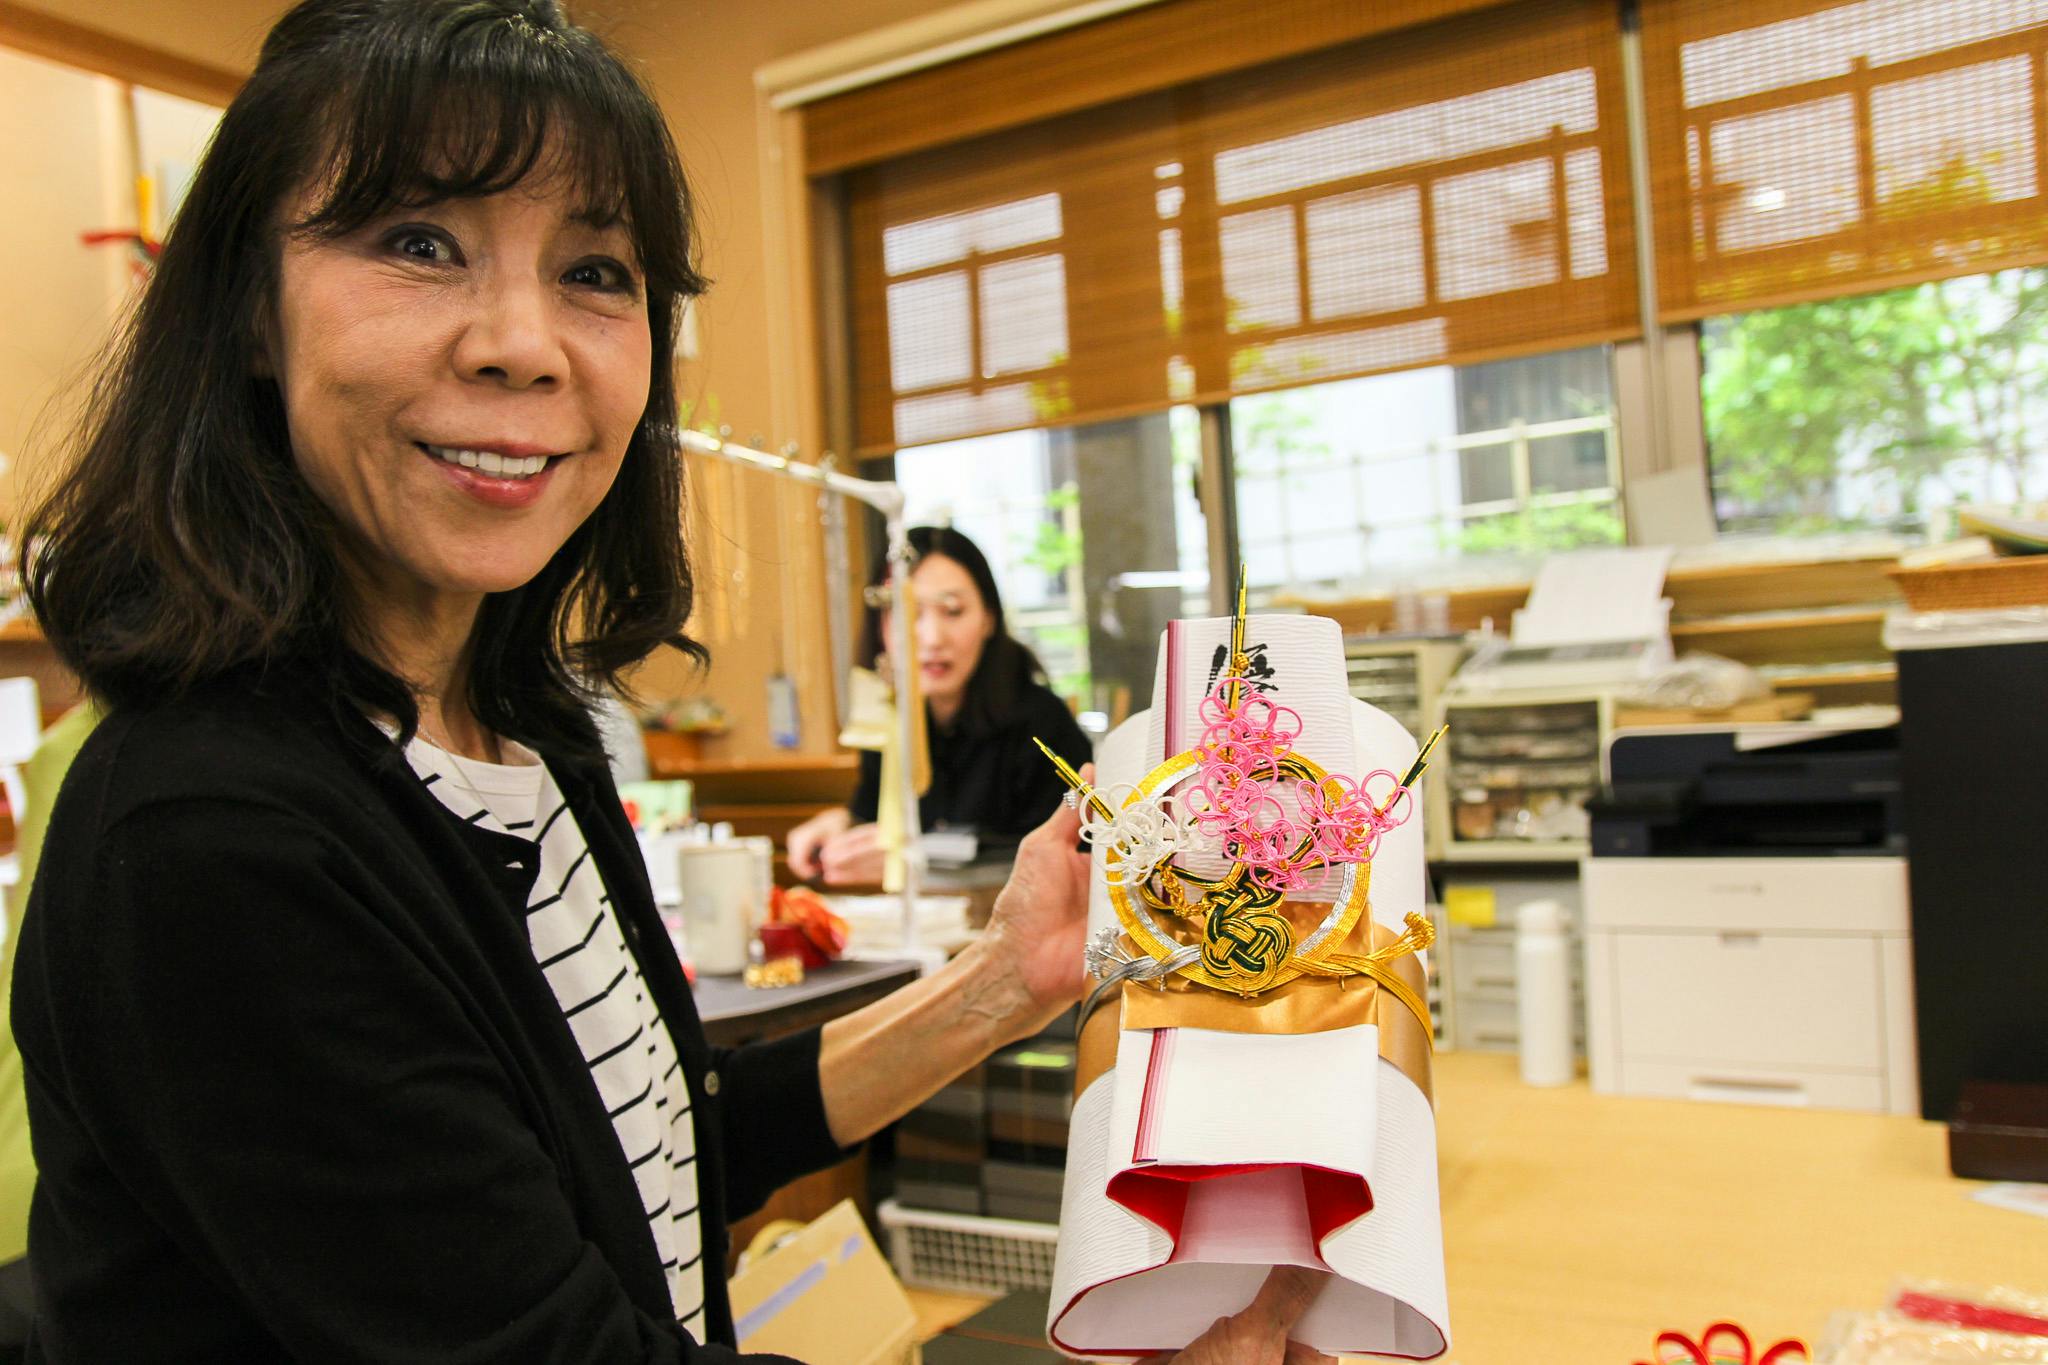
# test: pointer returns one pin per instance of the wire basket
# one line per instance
(1976, 585)
(965, 1253)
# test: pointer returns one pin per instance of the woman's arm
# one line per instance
(879, 1063)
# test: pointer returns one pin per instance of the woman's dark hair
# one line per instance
(184, 545)
(1007, 666)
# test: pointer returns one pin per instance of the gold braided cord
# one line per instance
(1420, 935)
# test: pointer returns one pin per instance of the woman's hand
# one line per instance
(854, 857)
(807, 840)
(1258, 1335)
(1041, 917)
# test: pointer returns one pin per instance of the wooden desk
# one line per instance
(1578, 1226)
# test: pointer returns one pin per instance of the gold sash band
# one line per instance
(1386, 989)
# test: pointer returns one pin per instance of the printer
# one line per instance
(1796, 789)
(1746, 917)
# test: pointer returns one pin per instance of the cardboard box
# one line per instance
(826, 1297)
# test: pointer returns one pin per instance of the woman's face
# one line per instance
(953, 625)
(460, 383)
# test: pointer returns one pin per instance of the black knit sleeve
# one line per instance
(772, 1115)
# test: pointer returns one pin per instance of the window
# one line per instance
(1095, 536)
(1879, 411)
(977, 317)
(1346, 484)
(1329, 250)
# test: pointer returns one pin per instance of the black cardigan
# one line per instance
(298, 1090)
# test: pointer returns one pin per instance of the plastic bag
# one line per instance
(1997, 1308)
(1889, 1338)
(1698, 682)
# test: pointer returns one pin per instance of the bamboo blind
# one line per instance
(1443, 194)
(1804, 149)
(1139, 52)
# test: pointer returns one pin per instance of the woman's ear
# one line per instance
(261, 365)
(263, 343)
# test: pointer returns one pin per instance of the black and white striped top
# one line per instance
(578, 944)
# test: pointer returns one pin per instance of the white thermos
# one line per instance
(724, 889)
(1543, 994)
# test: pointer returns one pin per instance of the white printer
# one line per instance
(1746, 921)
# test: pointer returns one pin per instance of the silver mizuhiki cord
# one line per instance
(1108, 961)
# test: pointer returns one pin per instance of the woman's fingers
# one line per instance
(1284, 1297)
(1063, 827)
(1258, 1333)
(856, 857)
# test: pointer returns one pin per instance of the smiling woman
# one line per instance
(350, 1030)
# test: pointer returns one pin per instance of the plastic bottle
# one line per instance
(1543, 994)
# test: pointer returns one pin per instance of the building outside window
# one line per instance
(1095, 535)
(1409, 475)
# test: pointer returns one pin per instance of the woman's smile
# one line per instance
(494, 474)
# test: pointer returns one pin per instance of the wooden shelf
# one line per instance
(1860, 677)
(776, 784)
(1515, 850)
(1794, 619)
(1698, 592)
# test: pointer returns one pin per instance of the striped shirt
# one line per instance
(581, 950)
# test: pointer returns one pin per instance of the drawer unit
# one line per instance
(1786, 1087)
(1479, 961)
(1758, 980)
(1515, 775)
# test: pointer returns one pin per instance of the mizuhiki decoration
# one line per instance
(1285, 828)
(1235, 835)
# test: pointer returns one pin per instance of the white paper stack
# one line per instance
(1325, 1104)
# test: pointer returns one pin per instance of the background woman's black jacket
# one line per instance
(993, 779)
(299, 1091)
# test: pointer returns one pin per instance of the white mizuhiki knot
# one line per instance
(1143, 835)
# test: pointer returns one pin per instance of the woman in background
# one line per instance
(985, 702)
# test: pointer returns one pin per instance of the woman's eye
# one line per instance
(422, 245)
(607, 275)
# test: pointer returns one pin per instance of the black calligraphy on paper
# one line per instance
(1258, 668)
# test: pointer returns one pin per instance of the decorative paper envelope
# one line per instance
(1253, 1087)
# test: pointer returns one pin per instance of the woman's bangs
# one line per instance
(517, 108)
